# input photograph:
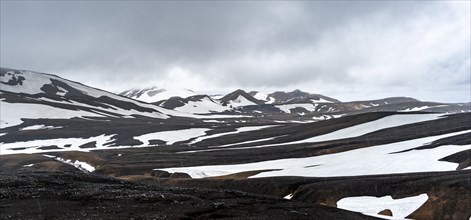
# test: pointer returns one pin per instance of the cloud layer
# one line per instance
(347, 50)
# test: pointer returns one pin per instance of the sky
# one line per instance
(349, 50)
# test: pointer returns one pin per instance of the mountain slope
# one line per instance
(28, 94)
(262, 96)
(155, 94)
(298, 96)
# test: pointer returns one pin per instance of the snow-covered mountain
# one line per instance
(308, 105)
(28, 94)
(199, 104)
(155, 94)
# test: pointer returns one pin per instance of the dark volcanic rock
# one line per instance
(180, 175)
(15, 77)
(88, 145)
(52, 147)
(298, 96)
(160, 174)
(172, 103)
(72, 195)
(448, 192)
(462, 158)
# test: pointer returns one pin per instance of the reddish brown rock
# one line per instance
(387, 212)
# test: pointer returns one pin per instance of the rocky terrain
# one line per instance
(284, 155)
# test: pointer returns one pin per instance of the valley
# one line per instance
(245, 155)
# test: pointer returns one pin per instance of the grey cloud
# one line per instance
(369, 45)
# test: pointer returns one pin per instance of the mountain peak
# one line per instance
(238, 98)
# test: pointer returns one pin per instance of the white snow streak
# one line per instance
(357, 130)
(172, 136)
(321, 100)
(238, 130)
(365, 128)
(39, 127)
(84, 166)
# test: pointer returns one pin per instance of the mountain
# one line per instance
(303, 158)
(302, 106)
(204, 104)
(28, 94)
(155, 94)
(307, 105)
(239, 98)
(199, 104)
(298, 96)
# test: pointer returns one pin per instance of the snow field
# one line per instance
(368, 161)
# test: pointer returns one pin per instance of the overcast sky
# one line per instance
(349, 50)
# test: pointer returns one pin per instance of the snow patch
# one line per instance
(321, 100)
(287, 108)
(416, 109)
(240, 101)
(62, 143)
(289, 196)
(400, 208)
(172, 136)
(238, 130)
(264, 97)
(156, 94)
(205, 105)
(213, 121)
(13, 113)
